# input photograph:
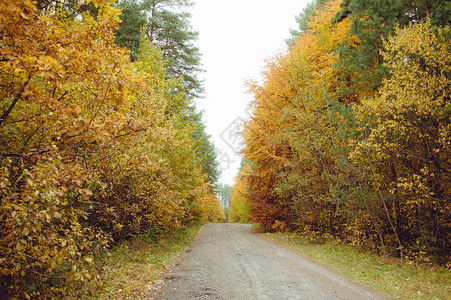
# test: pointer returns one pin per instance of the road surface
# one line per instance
(227, 261)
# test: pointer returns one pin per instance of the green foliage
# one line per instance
(223, 191)
(166, 23)
(205, 149)
(361, 67)
(133, 18)
(170, 32)
(304, 17)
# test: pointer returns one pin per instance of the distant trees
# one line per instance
(205, 149)
(350, 130)
(239, 207)
(94, 148)
(223, 194)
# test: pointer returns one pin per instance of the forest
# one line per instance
(350, 134)
(101, 140)
(99, 136)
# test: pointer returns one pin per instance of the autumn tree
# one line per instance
(63, 92)
(361, 65)
(404, 138)
(239, 208)
(291, 135)
(310, 10)
(93, 148)
(348, 129)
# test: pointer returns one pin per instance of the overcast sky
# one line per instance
(235, 38)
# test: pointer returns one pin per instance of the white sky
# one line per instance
(235, 38)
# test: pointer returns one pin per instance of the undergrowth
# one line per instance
(133, 267)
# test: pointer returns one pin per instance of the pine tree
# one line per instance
(303, 18)
(167, 26)
(224, 194)
(361, 65)
(133, 18)
(205, 149)
(169, 30)
(373, 21)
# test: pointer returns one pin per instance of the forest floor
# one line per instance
(133, 267)
(227, 261)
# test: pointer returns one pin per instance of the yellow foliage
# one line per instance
(94, 148)
(332, 154)
(406, 130)
(239, 208)
(291, 134)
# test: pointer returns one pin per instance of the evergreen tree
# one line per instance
(224, 194)
(303, 18)
(133, 18)
(361, 65)
(205, 149)
(168, 28)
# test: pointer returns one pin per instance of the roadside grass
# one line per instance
(133, 267)
(409, 280)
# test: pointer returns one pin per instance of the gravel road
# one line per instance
(227, 261)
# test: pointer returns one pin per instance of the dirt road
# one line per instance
(227, 261)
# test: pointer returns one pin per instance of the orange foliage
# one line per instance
(370, 168)
(94, 148)
(290, 134)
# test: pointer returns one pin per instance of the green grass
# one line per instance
(409, 280)
(133, 267)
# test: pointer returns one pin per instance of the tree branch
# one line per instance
(13, 104)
